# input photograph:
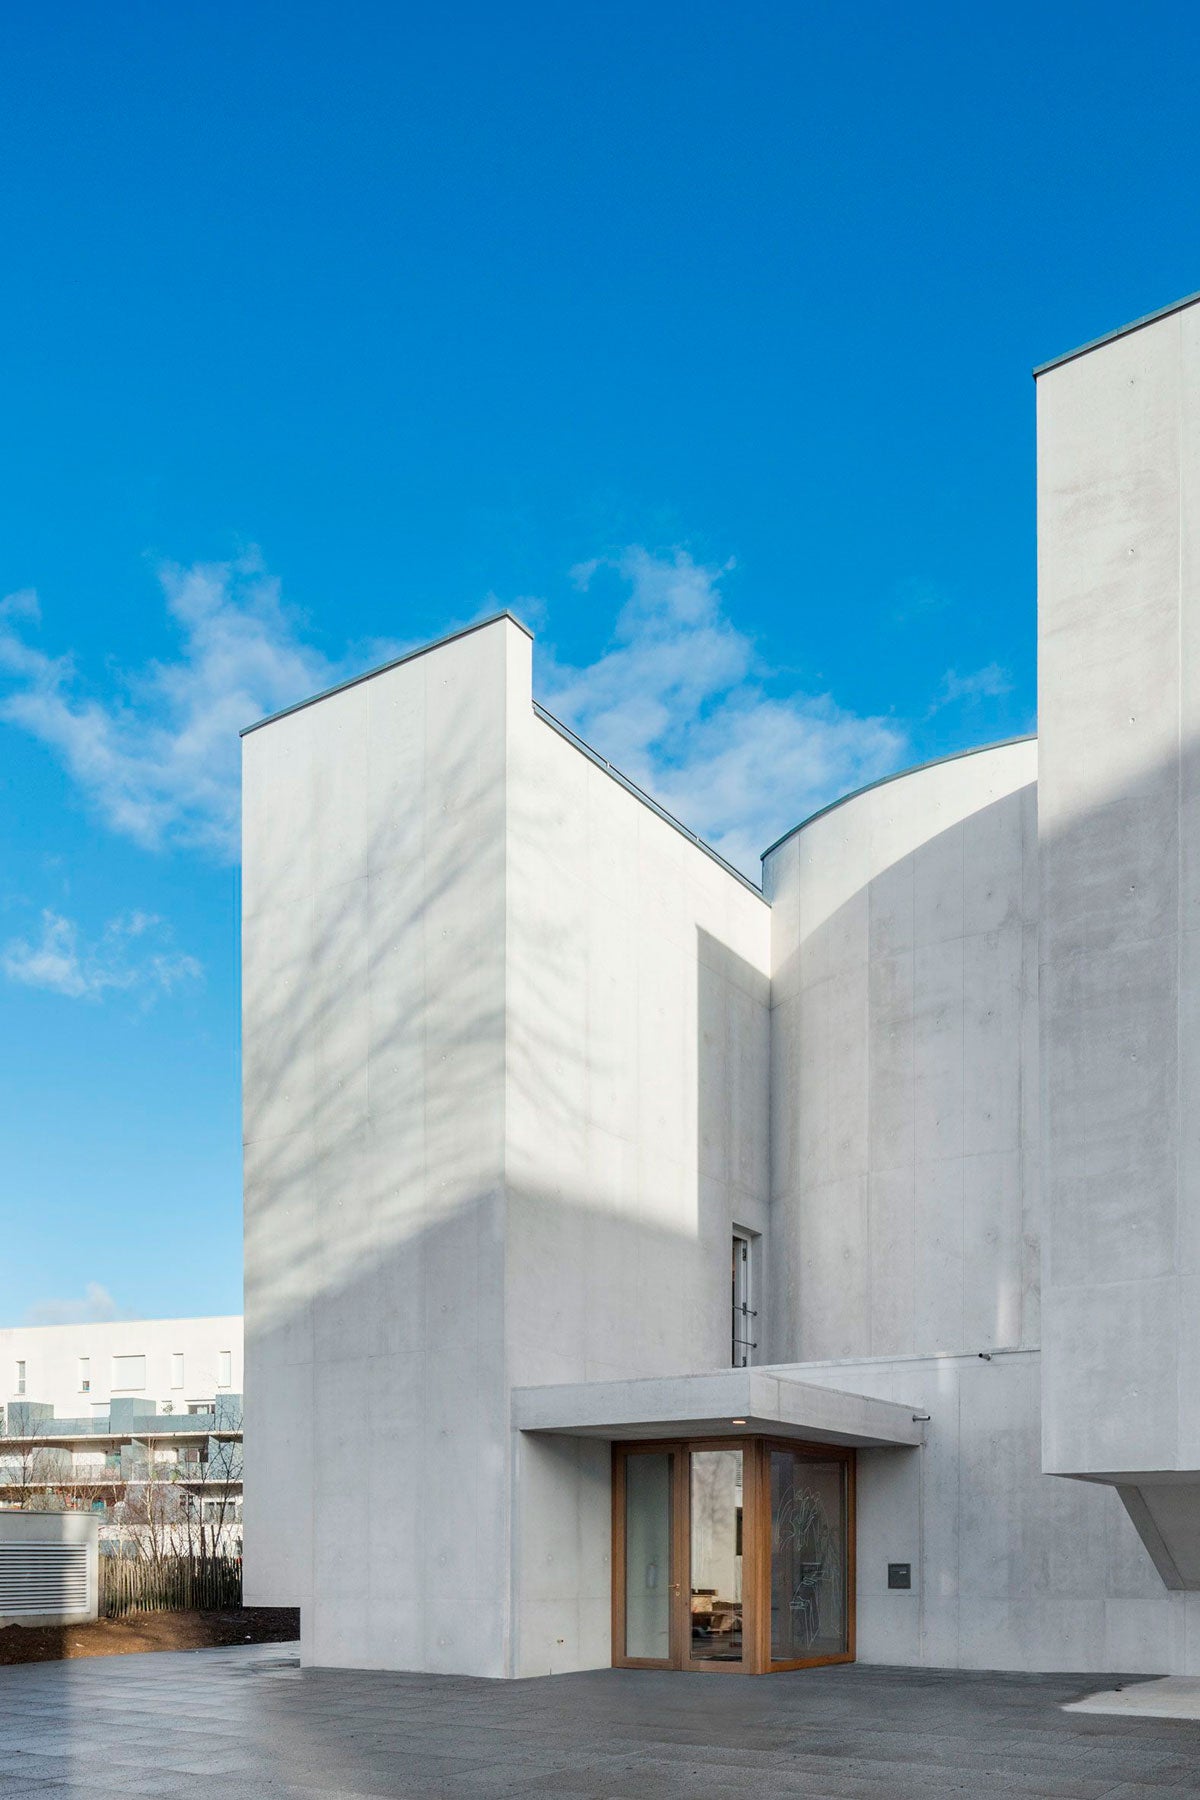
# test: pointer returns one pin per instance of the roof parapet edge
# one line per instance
(1027, 737)
(1110, 337)
(646, 799)
(396, 662)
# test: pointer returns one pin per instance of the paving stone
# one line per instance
(251, 1725)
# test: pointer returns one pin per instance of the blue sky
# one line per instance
(699, 335)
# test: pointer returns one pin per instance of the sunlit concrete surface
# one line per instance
(519, 1055)
(904, 1075)
(247, 1726)
(526, 1065)
(505, 1080)
(1119, 831)
(905, 1222)
(1171, 1697)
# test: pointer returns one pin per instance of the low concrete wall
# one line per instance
(49, 1568)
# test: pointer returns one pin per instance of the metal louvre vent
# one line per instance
(43, 1578)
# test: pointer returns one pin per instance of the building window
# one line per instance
(744, 1336)
(85, 1374)
(20, 1381)
(128, 1371)
(225, 1370)
(200, 1406)
(177, 1369)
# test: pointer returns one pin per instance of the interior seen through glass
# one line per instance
(648, 1556)
(808, 1557)
(716, 1545)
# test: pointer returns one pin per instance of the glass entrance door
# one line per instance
(810, 1560)
(732, 1554)
(716, 1618)
(647, 1623)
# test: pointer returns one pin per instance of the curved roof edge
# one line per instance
(339, 687)
(1110, 337)
(1028, 737)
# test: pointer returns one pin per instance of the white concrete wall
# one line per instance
(904, 1203)
(1012, 1568)
(637, 1021)
(1119, 706)
(636, 1138)
(905, 1222)
(513, 1066)
(505, 1099)
(374, 1047)
(51, 1354)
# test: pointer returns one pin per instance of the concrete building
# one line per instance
(704, 1276)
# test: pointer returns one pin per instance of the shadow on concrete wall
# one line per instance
(377, 1227)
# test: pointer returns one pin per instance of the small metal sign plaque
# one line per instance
(899, 1575)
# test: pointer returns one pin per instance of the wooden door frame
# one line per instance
(707, 1665)
(620, 1456)
(756, 1552)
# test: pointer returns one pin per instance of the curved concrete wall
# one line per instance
(904, 1067)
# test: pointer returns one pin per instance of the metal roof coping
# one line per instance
(1110, 337)
(382, 668)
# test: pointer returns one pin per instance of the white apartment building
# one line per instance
(697, 1275)
(171, 1364)
(95, 1413)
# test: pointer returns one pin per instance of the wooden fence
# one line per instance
(205, 1583)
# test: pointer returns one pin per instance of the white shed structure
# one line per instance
(49, 1568)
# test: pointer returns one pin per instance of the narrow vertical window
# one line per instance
(744, 1335)
(177, 1369)
(20, 1383)
(85, 1374)
(225, 1375)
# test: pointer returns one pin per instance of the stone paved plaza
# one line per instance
(250, 1725)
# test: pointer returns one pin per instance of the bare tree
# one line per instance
(153, 1513)
(222, 1489)
(27, 1465)
(183, 1507)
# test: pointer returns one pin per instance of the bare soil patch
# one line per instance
(150, 1631)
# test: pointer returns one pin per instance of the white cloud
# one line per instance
(682, 703)
(988, 683)
(96, 1306)
(133, 952)
(21, 605)
(159, 761)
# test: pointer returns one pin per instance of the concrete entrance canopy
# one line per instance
(730, 1403)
